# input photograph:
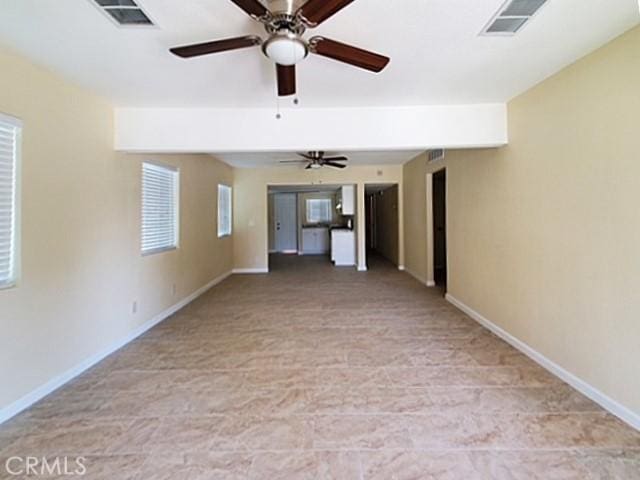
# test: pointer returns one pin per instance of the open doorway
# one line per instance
(382, 234)
(311, 225)
(439, 193)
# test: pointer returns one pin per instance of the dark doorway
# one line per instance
(440, 228)
(381, 210)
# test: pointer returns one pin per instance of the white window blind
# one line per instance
(319, 210)
(10, 130)
(224, 210)
(159, 208)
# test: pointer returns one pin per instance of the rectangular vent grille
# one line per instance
(513, 15)
(435, 155)
(126, 13)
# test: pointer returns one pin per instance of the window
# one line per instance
(319, 210)
(160, 205)
(224, 211)
(10, 131)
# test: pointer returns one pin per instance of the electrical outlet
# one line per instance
(134, 307)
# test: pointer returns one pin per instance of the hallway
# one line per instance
(321, 373)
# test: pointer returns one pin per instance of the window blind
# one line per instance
(319, 210)
(224, 210)
(10, 130)
(159, 208)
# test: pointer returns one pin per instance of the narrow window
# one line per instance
(160, 208)
(10, 133)
(224, 211)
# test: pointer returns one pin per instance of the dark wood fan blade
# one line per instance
(286, 80)
(315, 12)
(306, 155)
(217, 46)
(348, 54)
(336, 159)
(252, 7)
(334, 164)
(308, 167)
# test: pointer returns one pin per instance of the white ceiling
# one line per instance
(437, 55)
(272, 159)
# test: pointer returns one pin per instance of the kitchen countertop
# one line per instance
(330, 227)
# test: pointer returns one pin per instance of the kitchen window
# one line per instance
(319, 210)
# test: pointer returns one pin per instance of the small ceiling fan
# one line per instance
(285, 22)
(317, 159)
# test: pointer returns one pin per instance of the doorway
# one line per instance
(285, 219)
(439, 193)
(382, 225)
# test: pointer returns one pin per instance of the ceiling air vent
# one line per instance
(513, 15)
(435, 155)
(125, 13)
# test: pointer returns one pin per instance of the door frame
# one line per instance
(400, 226)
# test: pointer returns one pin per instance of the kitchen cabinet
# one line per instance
(315, 241)
(347, 199)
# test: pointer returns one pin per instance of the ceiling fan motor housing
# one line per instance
(288, 7)
(283, 21)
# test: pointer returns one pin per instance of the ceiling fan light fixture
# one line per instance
(285, 49)
(315, 166)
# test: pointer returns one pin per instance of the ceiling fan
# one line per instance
(317, 159)
(285, 22)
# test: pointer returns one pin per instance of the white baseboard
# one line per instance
(430, 283)
(362, 269)
(401, 268)
(247, 271)
(623, 413)
(43, 390)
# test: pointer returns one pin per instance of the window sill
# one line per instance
(158, 250)
(8, 285)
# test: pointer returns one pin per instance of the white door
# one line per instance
(286, 222)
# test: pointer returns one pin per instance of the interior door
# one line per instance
(440, 228)
(286, 222)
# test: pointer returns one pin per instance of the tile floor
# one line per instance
(321, 373)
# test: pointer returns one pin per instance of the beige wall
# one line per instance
(250, 195)
(544, 235)
(81, 262)
(417, 250)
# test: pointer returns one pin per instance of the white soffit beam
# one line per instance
(340, 129)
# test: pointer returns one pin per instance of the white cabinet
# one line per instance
(347, 199)
(315, 241)
(343, 247)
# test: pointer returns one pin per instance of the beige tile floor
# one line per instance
(321, 373)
